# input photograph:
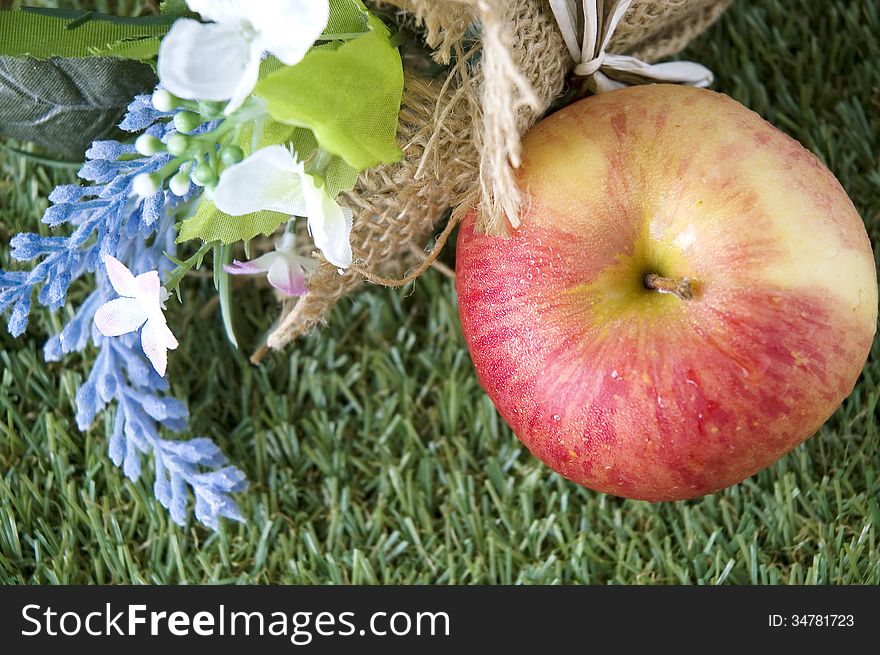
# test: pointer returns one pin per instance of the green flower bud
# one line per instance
(146, 184)
(148, 145)
(165, 100)
(204, 175)
(179, 184)
(187, 121)
(230, 155)
(178, 144)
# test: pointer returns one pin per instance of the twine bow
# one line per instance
(597, 20)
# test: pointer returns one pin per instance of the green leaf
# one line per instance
(222, 257)
(144, 49)
(65, 104)
(349, 96)
(347, 17)
(174, 8)
(45, 33)
(210, 224)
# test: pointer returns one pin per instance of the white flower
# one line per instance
(286, 269)
(143, 299)
(221, 60)
(272, 179)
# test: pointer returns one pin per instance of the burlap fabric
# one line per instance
(460, 135)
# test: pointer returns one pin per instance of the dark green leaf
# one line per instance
(65, 104)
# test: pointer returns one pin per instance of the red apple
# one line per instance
(689, 296)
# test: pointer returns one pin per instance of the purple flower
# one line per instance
(286, 269)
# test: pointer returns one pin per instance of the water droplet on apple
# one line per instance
(556, 417)
(614, 374)
(830, 252)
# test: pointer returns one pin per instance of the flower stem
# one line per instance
(320, 163)
(225, 256)
(173, 278)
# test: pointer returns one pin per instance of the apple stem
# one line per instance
(682, 287)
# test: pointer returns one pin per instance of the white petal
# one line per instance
(329, 224)
(269, 179)
(119, 316)
(204, 62)
(121, 278)
(287, 276)
(149, 289)
(156, 340)
(247, 81)
(221, 11)
(288, 28)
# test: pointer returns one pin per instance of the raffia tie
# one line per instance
(596, 20)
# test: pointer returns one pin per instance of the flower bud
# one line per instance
(187, 121)
(148, 145)
(178, 144)
(146, 184)
(179, 184)
(230, 155)
(204, 175)
(164, 100)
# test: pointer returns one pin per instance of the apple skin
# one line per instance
(649, 395)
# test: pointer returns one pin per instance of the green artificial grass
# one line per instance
(374, 456)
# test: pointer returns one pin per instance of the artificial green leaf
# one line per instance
(347, 17)
(45, 33)
(65, 104)
(210, 224)
(173, 8)
(144, 49)
(339, 177)
(349, 96)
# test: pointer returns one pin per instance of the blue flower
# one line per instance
(141, 115)
(107, 219)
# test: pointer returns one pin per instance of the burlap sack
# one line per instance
(460, 136)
